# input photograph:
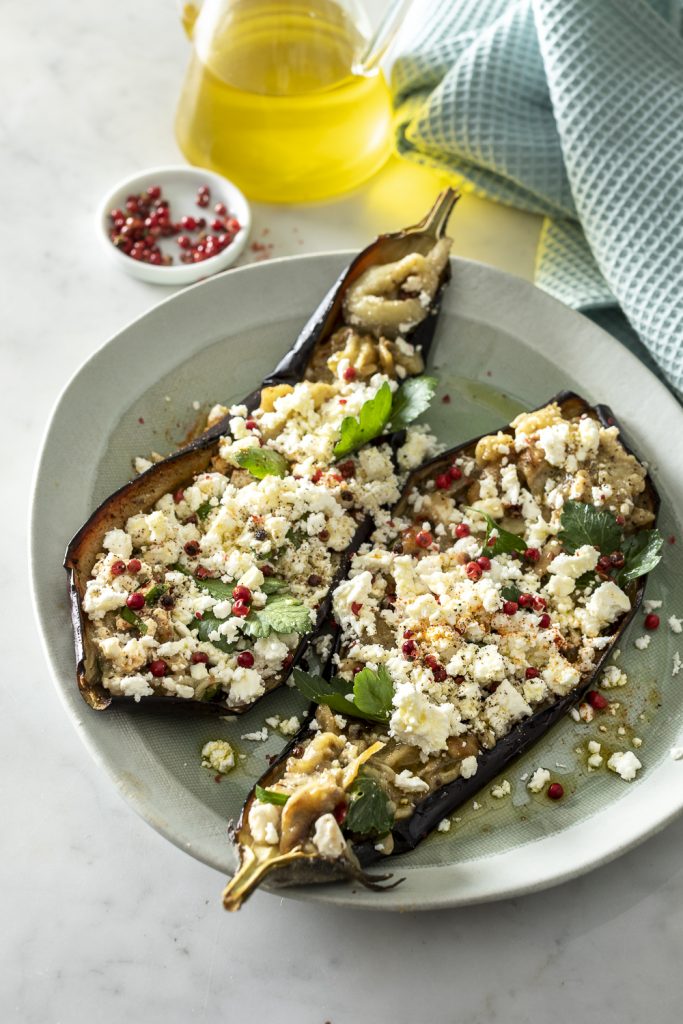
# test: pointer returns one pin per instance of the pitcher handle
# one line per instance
(384, 36)
(188, 12)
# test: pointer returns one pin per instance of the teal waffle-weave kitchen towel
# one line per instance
(572, 109)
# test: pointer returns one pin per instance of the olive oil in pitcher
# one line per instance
(276, 99)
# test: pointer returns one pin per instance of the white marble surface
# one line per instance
(101, 918)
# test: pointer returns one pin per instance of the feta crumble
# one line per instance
(625, 764)
(219, 756)
(539, 780)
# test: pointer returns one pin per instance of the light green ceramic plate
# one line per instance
(502, 345)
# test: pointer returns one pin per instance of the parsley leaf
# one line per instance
(209, 624)
(373, 693)
(217, 588)
(274, 585)
(321, 692)
(511, 593)
(270, 796)
(643, 551)
(586, 524)
(369, 812)
(504, 541)
(282, 614)
(371, 421)
(411, 400)
(262, 462)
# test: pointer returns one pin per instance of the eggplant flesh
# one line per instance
(182, 467)
(421, 816)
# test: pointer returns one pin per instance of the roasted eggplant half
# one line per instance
(482, 608)
(200, 581)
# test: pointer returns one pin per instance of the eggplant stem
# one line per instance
(436, 221)
(250, 874)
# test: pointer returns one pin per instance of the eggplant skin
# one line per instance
(144, 491)
(444, 801)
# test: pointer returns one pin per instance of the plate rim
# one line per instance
(662, 805)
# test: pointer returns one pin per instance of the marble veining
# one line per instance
(102, 919)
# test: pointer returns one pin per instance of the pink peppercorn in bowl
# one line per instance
(174, 225)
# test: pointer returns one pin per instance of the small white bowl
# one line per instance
(179, 185)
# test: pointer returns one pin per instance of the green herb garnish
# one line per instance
(209, 624)
(262, 462)
(370, 422)
(216, 588)
(274, 585)
(204, 509)
(155, 592)
(642, 551)
(372, 693)
(282, 614)
(270, 796)
(584, 524)
(129, 615)
(510, 593)
(369, 812)
(411, 399)
(321, 692)
(504, 541)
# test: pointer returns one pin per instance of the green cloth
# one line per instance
(572, 109)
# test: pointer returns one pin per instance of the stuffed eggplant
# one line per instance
(484, 606)
(201, 580)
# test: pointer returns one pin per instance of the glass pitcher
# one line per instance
(286, 98)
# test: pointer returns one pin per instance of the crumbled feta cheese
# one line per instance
(218, 755)
(504, 707)
(327, 837)
(501, 791)
(119, 543)
(290, 726)
(264, 822)
(136, 686)
(676, 753)
(419, 722)
(642, 642)
(258, 737)
(677, 664)
(100, 599)
(444, 825)
(539, 780)
(246, 686)
(624, 763)
(650, 606)
(613, 677)
(604, 605)
(410, 783)
(675, 625)
(468, 767)
(573, 566)
(553, 440)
